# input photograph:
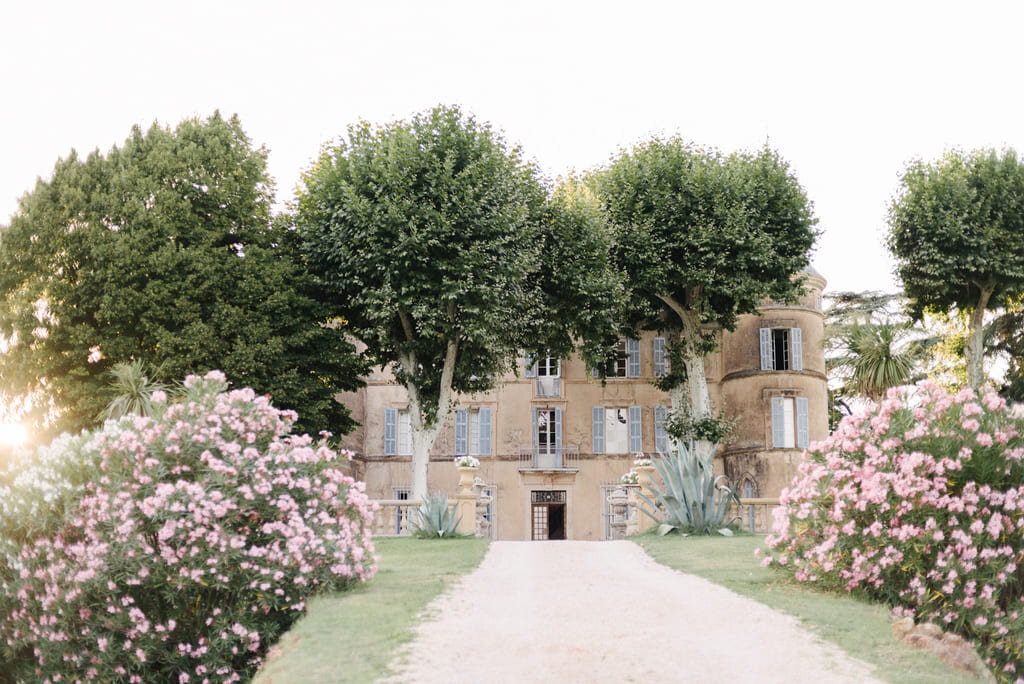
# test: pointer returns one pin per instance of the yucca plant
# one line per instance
(132, 390)
(434, 519)
(690, 498)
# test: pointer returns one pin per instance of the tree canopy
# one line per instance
(163, 250)
(957, 232)
(436, 241)
(703, 238)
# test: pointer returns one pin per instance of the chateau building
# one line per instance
(553, 440)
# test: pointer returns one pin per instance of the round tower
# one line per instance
(773, 383)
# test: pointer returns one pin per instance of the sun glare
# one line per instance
(12, 434)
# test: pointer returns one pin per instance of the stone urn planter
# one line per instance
(468, 467)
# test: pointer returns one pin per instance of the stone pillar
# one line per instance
(466, 501)
(647, 474)
(618, 509)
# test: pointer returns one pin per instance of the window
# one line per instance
(789, 422)
(660, 367)
(547, 430)
(781, 349)
(397, 433)
(548, 371)
(617, 430)
(473, 431)
(660, 434)
(625, 361)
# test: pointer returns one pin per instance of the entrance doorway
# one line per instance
(548, 514)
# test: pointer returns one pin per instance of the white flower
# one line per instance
(467, 462)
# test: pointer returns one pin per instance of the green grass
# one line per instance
(352, 636)
(860, 628)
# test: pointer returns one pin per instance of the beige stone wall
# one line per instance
(734, 375)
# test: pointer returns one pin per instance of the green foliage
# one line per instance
(690, 498)
(718, 234)
(715, 428)
(163, 250)
(435, 519)
(433, 237)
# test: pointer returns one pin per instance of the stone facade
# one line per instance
(545, 457)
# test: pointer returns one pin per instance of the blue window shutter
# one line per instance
(659, 357)
(766, 349)
(529, 367)
(598, 433)
(485, 431)
(535, 441)
(802, 432)
(558, 436)
(778, 423)
(460, 432)
(390, 431)
(796, 345)
(660, 436)
(633, 368)
(636, 442)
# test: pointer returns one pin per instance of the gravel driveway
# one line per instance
(605, 612)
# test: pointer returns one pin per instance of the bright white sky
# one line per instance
(846, 92)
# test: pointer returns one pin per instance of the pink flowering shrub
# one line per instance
(919, 504)
(173, 548)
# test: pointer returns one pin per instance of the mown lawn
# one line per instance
(352, 636)
(860, 628)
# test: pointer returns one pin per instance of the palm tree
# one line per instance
(132, 390)
(871, 348)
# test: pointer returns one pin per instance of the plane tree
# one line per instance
(703, 238)
(957, 232)
(439, 245)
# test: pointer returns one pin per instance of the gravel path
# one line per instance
(605, 612)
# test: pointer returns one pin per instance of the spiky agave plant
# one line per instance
(434, 519)
(690, 498)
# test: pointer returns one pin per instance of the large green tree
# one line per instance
(437, 243)
(164, 251)
(957, 232)
(703, 238)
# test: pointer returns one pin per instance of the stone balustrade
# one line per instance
(395, 517)
(755, 514)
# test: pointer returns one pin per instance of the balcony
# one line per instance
(565, 458)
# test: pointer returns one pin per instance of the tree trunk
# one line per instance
(700, 401)
(425, 429)
(695, 390)
(422, 444)
(974, 347)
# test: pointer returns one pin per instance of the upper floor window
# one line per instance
(397, 433)
(781, 349)
(617, 430)
(473, 431)
(625, 361)
(548, 372)
(660, 363)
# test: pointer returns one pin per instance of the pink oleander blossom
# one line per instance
(139, 542)
(918, 503)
